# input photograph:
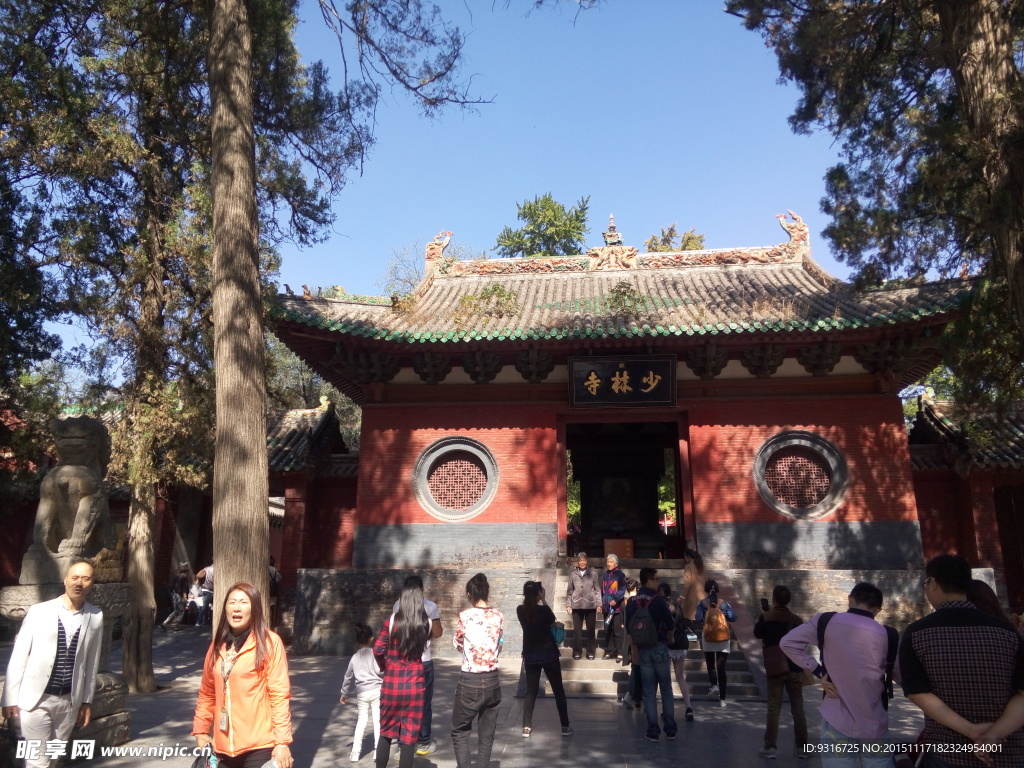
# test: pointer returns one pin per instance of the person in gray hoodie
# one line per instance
(582, 600)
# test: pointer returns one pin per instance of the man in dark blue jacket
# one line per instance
(655, 669)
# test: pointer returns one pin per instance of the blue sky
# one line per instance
(662, 111)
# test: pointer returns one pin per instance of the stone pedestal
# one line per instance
(111, 722)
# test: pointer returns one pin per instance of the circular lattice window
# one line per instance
(455, 478)
(801, 475)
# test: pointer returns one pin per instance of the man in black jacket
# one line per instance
(782, 673)
(655, 669)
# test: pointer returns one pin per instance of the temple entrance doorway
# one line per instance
(622, 489)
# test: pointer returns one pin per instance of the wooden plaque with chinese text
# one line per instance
(646, 381)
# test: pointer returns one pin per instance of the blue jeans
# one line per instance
(428, 694)
(656, 672)
(834, 757)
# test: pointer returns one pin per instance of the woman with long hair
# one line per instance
(540, 653)
(692, 592)
(244, 693)
(399, 651)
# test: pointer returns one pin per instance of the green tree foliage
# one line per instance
(26, 296)
(550, 229)
(671, 240)
(926, 99)
(106, 135)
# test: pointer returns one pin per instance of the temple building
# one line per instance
(747, 388)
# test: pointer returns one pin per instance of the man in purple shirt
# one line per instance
(853, 719)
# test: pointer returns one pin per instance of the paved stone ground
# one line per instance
(607, 734)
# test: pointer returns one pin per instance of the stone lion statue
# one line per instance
(73, 517)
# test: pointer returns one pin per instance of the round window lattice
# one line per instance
(455, 478)
(801, 474)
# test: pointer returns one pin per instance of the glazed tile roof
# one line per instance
(714, 293)
(293, 437)
(988, 442)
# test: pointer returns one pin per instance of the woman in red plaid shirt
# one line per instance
(398, 650)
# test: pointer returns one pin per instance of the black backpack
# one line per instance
(890, 656)
(641, 625)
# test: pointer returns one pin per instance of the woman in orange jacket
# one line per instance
(243, 697)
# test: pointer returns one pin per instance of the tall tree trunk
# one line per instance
(979, 52)
(241, 534)
(138, 634)
(150, 382)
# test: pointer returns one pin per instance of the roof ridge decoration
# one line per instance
(615, 256)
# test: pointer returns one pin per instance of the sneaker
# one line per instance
(713, 693)
(689, 714)
(627, 700)
(527, 730)
(590, 657)
(354, 757)
(721, 702)
(652, 737)
(804, 753)
(670, 736)
(426, 748)
(607, 656)
(576, 657)
(567, 730)
(768, 752)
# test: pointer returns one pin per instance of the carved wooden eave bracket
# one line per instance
(763, 360)
(364, 367)
(707, 361)
(885, 358)
(820, 359)
(481, 367)
(534, 364)
(431, 367)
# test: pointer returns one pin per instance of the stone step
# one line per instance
(736, 662)
(738, 691)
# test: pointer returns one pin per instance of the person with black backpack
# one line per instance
(857, 654)
(649, 624)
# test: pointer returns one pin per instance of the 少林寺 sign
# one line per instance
(636, 382)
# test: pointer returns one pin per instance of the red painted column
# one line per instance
(293, 537)
(988, 551)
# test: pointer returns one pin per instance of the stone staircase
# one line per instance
(597, 678)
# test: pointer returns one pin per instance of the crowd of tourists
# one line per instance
(962, 665)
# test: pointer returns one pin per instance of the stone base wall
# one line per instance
(815, 591)
(819, 544)
(454, 545)
(327, 603)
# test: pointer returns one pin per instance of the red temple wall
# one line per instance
(938, 495)
(726, 435)
(521, 437)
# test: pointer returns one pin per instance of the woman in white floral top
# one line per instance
(478, 694)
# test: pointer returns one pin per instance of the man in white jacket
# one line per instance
(52, 673)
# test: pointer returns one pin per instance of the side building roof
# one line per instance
(981, 441)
